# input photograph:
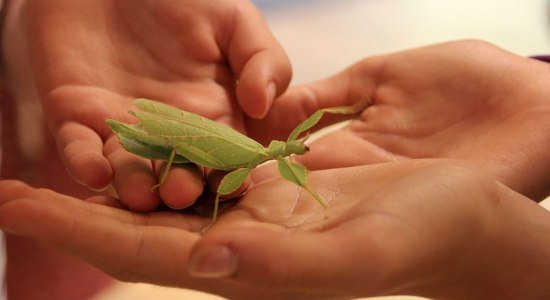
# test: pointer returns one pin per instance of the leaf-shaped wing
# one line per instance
(152, 112)
(150, 151)
(140, 143)
(201, 140)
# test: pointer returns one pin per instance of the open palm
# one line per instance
(391, 228)
(87, 59)
(467, 100)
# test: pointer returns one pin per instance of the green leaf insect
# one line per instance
(176, 136)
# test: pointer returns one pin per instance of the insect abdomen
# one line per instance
(223, 156)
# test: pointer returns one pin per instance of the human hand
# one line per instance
(86, 60)
(422, 227)
(467, 100)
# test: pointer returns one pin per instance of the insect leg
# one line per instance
(297, 173)
(316, 116)
(229, 184)
(164, 174)
(316, 196)
(214, 214)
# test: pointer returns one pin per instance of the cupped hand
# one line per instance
(422, 227)
(86, 60)
(467, 100)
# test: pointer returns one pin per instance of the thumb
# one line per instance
(300, 102)
(262, 66)
(268, 257)
(345, 88)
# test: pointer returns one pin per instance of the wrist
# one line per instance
(528, 154)
(540, 181)
(517, 253)
(507, 257)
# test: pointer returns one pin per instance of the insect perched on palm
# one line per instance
(176, 136)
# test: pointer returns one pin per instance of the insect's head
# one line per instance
(296, 147)
(280, 148)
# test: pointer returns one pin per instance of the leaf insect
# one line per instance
(176, 136)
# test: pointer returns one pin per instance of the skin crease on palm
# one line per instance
(413, 226)
(437, 101)
(416, 227)
(186, 53)
(466, 100)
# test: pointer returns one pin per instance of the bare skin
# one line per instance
(86, 67)
(80, 62)
(465, 100)
(422, 227)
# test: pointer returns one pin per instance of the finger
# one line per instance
(342, 89)
(141, 253)
(262, 67)
(183, 185)
(81, 150)
(105, 200)
(12, 190)
(298, 103)
(133, 178)
(264, 172)
(344, 148)
(250, 254)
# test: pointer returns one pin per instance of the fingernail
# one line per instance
(213, 262)
(271, 94)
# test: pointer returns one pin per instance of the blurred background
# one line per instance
(322, 37)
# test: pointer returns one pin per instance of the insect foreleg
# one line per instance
(229, 184)
(316, 117)
(316, 196)
(297, 173)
